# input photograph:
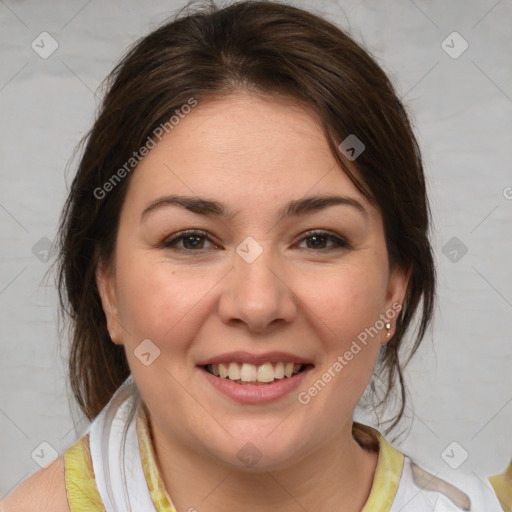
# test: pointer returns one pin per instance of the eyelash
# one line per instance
(171, 242)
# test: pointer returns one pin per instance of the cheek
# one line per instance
(158, 303)
(155, 300)
(349, 304)
(348, 300)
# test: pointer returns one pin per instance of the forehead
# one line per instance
(253, 149)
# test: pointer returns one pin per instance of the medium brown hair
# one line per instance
(267, 48)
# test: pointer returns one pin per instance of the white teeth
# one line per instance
(246, 372)
(279, 371)
(234, 371)
(223, 371)
(265, 373)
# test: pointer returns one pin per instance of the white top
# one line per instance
(127, 482)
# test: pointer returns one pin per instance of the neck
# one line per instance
(337, 475)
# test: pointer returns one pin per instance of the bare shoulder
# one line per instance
(44, 491)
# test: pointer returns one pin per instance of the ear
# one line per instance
(105, 281)
(396, 293)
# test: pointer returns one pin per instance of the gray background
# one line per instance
(460, 382)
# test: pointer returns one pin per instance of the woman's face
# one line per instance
(255, 270)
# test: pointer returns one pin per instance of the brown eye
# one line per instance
(189, 240)
(321, 239)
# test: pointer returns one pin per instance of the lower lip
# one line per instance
(256, 394)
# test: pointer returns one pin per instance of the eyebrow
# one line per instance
(294, 208)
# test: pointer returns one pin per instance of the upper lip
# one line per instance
(247, 357)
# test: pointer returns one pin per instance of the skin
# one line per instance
(253, 154)
(44, 491)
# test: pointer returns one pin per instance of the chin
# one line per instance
(257, 452)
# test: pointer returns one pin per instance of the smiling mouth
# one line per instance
(263, 374)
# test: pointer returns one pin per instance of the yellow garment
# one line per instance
(80, 485)
(83, 495)
(161, 499)
(503, 488)
(386, 479)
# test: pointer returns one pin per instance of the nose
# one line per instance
(258, 294)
